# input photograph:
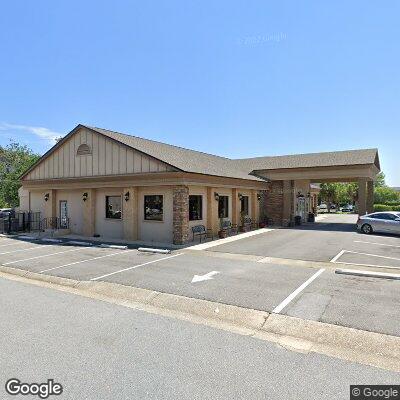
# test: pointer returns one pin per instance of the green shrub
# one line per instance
(386, 207)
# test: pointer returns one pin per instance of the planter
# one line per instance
(245, 228)
(262, 224)
(223, 233)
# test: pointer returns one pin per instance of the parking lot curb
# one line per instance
(378, 350)
(364, 347)
(369, 274)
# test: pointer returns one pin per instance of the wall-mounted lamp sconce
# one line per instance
(240, 196)
(216, 196)
(46, 197)
(85, 196)
(127, 196)
(258, 196)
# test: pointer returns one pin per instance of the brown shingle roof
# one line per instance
(327, 159)
(208, 164)
(181, 158)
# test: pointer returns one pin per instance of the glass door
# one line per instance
(63, 214)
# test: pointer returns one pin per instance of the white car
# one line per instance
(386, 221)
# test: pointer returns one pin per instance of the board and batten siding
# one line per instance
(107, 158)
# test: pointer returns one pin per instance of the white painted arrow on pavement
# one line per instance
(206, 277)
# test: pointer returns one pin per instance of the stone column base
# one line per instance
(181, 214)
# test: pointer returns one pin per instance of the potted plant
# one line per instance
(244, 227)
(223, 232)
(263, 223)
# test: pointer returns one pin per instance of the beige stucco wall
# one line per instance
(156, 231)
(23, 199)
(247, 193)
(222, 192)
(133, 226)
(37, 202)
(105, 227)
(200, 191)
(75, 208)
(107, 158)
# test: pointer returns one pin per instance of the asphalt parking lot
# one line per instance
(334, 238)
(254, 281)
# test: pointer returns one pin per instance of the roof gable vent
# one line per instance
(83, 150)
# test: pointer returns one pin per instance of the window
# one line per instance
(381, 216)
(195, 208)
(389, 217)
(153, 208)
(223, 211)
(244, 205)
(113, 207)
(83, 150)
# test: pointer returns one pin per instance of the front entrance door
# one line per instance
(301, 207)
(63, 214)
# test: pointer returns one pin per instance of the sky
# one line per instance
(232, 78)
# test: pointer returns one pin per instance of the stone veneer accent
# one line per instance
(271, 203)
(263, 206)
(181, 214)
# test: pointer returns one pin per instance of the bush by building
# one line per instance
(386, 207)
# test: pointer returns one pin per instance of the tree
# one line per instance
(329, 193)
(385, 194)
(14, 160)
(380, 180)
(352, 190)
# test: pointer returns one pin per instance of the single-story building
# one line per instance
(99, 182)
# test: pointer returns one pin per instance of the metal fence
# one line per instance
(21, 222)
(55, 223)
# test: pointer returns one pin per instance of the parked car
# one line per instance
(347, 208)
(322, 207)
(388, 221)
(5, 212)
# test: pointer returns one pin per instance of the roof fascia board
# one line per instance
(167, 178)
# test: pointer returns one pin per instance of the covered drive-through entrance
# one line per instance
(290, 178)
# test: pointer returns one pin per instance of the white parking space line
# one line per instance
(135, 266)
(338, 256)
(239, 236)
(88, 259)
(29, 248)
(375, 243)
(371, 255)
(335, 260)
(45, 255)
(288, 299)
